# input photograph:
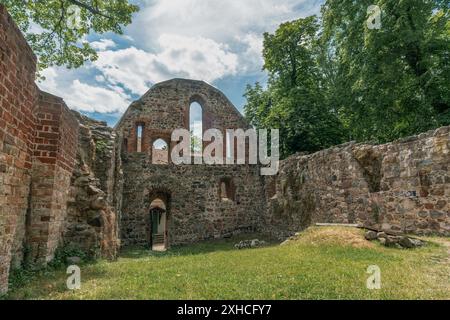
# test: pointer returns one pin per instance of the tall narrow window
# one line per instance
(228, 143)
(196, 128)
(139, 135)
(160, 152)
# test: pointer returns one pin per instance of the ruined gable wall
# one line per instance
(402, 186)
(165, 107)
(197, 211)
(17, 101)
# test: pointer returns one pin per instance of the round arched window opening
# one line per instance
(160, 152)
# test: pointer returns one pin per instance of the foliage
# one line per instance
(101, 146)
(56, 29)
(394, 81)
(196, 143)
(62, 253)
(294, 100)
(336, 80)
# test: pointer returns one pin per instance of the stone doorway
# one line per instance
(158, 225)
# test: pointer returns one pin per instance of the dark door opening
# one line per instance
(158, 225)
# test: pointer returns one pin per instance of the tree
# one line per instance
(335, 79)
(294, 101)
(391, 82)
(56, 29)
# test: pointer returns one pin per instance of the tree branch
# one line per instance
(89, 8)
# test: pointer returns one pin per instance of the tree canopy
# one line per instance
(56, 29)
(334, 79)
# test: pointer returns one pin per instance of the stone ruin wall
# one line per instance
(17, 104)
(196, 210)
(402, 186)
(192, 192)
(91, 223)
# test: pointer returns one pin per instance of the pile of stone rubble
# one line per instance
(249, 244)
(396, 241)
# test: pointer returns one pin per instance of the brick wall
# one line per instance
(38, 139)
(54, 154)
(17, 101)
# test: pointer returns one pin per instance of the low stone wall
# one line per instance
(401, 186)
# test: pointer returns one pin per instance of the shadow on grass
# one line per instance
(39, 283)
(203, 247)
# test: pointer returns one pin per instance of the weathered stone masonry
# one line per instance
(402, 186)
(196, 208)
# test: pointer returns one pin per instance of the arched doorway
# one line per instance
(158, 224)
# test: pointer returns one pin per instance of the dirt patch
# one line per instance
(352, 237)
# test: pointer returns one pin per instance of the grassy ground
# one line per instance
(323, 263)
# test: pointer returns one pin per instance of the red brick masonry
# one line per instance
(38, 139)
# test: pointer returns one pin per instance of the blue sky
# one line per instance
(217, 41)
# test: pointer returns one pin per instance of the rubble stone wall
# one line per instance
(402, 186)
(91, 223)
(196, 208)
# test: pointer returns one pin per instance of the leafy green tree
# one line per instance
(393, 81)
(294, 101)
(336, 79)
(56, 29)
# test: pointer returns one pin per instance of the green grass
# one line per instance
(325, 263)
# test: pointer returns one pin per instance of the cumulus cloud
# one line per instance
(213, 19)
(81, 96)
(103, 44)
(89, 98)
(179, 56)
(206, 40)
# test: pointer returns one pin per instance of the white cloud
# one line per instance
(251, 59)
(197, 39)
(214, 19)
(82, 96)
(196, 58)
(103, 44)
(89, 98)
